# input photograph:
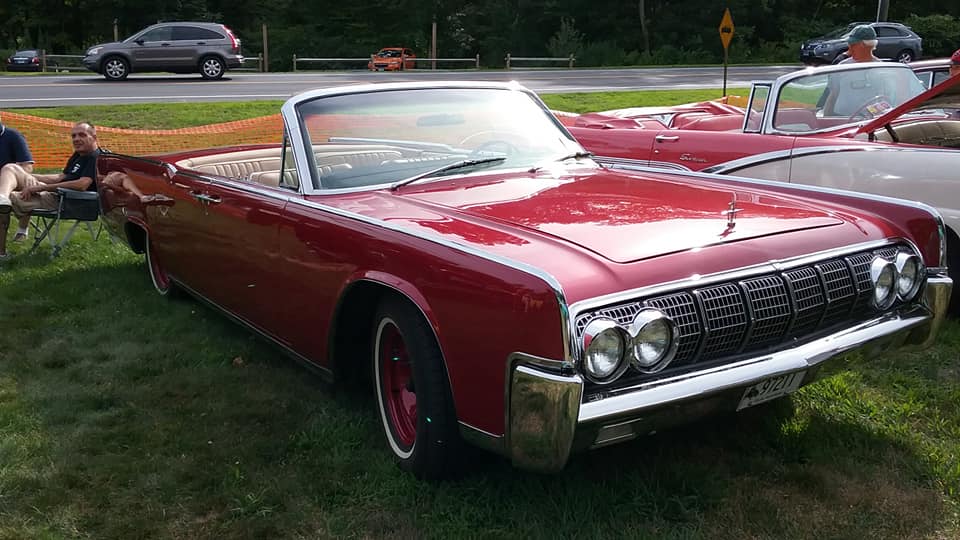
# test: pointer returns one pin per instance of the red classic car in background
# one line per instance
(870, 128)
(392, 59)
(455, 244)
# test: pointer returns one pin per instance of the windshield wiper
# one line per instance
(573, 155)
(448, 167)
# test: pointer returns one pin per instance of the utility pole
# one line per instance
(883, 8)
(433, 44)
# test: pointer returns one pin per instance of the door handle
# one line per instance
(201, 43)
(164, 44)
(667, 138)
(203, 197)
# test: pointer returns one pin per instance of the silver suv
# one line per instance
(179, 47)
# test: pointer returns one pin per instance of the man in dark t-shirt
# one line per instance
(22, 192)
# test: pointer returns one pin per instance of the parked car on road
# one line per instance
(25, 60)
(881, 133)
(454, 244)
(209, 49)
(895, 41)
(392, 59)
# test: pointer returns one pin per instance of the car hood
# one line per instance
(624, 217)
(943, 95)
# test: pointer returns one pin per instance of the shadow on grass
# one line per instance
(127, 415)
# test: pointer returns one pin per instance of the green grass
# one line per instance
(123, 414)
(126, 415)
(170, 116)
(158, 115)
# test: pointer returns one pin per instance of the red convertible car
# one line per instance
(456, 245)
(871, 127)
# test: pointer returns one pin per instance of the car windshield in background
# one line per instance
(406, 133)
(829, 100)
(389, 54)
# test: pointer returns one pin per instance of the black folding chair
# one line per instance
(81, 207)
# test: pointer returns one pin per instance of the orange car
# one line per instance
(392, 59)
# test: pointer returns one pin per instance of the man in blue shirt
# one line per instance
(22, 192)
(14, 149)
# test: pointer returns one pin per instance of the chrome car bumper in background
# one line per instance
(547, 419)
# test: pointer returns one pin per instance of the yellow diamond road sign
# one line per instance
(726, 28)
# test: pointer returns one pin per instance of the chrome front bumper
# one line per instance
(547, 419)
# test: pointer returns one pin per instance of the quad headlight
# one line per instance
(604, 350)
(910, 273)
(653, 341)
(883, 274)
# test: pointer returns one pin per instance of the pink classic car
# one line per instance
(871, 128)
(453, 243)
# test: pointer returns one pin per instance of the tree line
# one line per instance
(597, 32)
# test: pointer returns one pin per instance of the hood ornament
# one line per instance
(731, 213)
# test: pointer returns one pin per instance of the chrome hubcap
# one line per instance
(115, 68)
(212, 68)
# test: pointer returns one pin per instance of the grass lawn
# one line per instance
(166, 116)
(126, 415)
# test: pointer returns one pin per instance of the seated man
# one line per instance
(22, 192)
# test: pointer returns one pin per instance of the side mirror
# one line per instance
(138, 41)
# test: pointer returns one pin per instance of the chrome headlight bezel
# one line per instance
(603, 328)
(908, 264)
(93, 50)
(883, 276)
(646, 321)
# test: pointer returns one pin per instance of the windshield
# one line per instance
(389, 53)
(818, 102)
(385, 137)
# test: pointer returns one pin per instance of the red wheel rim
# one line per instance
(399, 396)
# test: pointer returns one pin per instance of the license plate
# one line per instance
(771, 388)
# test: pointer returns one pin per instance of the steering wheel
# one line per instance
(873, 108)
(497, 142)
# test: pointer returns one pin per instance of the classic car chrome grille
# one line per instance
(727, 319)
(771, 308)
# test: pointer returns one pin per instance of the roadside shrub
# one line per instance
(601, 53)
(940, 33)
(568, 40)
(671, 55)
(765, 51)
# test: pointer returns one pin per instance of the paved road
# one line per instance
(46, 91)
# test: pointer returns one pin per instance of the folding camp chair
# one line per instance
(77, 206)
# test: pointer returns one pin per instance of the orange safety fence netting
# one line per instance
(49, 140)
